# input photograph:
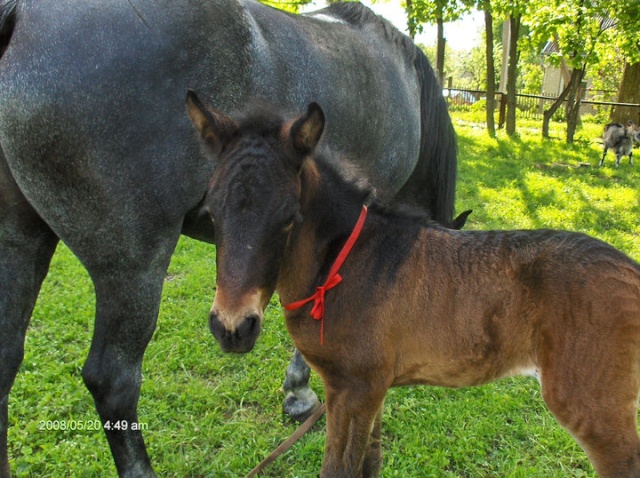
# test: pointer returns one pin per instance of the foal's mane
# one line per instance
(335, 204)
(329, 182)
(261, 118)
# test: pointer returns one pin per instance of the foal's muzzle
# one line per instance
(240, 340)
(235, 319)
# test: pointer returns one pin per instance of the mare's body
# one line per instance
(96, 151)
(417, 303)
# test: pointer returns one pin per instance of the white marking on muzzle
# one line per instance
(233, 310)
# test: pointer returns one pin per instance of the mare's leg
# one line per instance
(300, 401)
(594, 396)
(373, 455)
(353, 405)
(26, 247)
(128, 296)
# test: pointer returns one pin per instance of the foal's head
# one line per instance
(253, 200)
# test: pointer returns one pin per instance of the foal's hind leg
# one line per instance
(597, 403)
(300, 401)
(26, 247)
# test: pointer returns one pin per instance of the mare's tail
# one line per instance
(432, 184)
(7, 22)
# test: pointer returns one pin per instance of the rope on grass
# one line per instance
(302, 429)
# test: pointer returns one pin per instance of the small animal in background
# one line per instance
(620, 138)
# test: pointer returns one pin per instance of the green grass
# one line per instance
(209, 414)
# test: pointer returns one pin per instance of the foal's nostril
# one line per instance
(248, 327)
(215, 326)
(240, 340)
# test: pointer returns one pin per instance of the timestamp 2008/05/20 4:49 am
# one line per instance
(90, 425)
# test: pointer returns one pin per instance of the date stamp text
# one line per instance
(90, 425)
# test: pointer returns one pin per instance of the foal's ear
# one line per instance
(307, 130)
(215, 128)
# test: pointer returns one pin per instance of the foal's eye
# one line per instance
(297, 217)
(288, 227)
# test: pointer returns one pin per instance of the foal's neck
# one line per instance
(330, 210)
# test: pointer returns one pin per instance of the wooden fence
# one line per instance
(530, 106)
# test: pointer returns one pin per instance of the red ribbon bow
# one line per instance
(333, 279)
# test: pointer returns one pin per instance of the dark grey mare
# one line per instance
(96, 151)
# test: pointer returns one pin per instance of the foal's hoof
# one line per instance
(298, 407)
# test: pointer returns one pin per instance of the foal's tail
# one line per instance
(433, 181)
(7, 22)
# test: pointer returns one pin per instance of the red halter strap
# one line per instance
(333, 279)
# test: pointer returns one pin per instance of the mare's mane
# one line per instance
(437, 143)
(7, 22)
(357, 14)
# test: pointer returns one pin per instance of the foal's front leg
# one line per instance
(373, 455)
(352, 421)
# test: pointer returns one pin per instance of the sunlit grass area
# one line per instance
(528, 182)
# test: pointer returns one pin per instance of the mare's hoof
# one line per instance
(298, 407)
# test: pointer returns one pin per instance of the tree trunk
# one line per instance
(491, 74)
(440, 51)
(629, 93)
(574, 101)
(506, 35)
(548, 114)
(512, 74)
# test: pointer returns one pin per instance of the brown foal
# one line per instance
(415, 303)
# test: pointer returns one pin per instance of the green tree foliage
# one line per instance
(439, 12)
(422, 12)
(626, 34)
(292, 6)
(576, 25)
(588, 33)
(466, 68)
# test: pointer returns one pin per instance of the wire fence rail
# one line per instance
(530, 106)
